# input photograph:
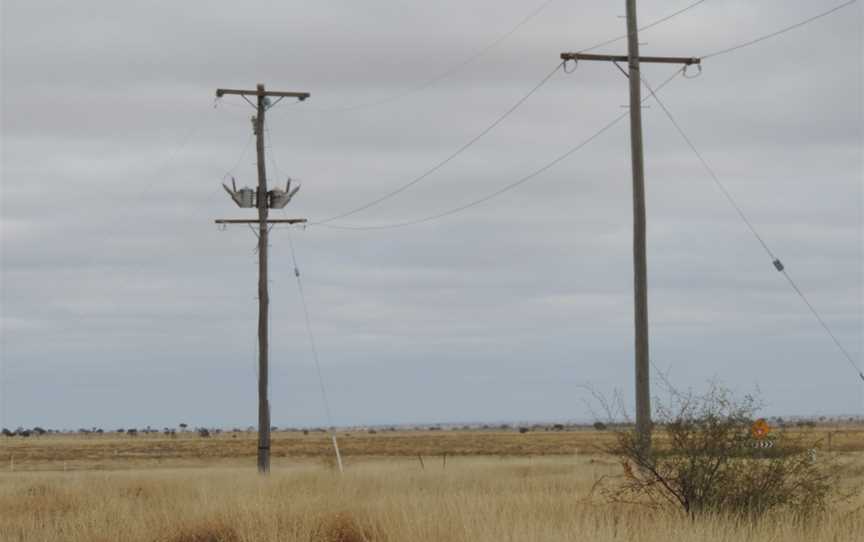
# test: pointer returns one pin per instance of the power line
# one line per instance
(778, 32)
(450, 157)
(190, 134)
(500, 191)
(497, 121)
(243, 153)
(485, 49)
(229, 172)
(646, 27)
(270, 146)
(522, 100)
(154, 175)
(447, 72)
(487, 197)
(776, 261)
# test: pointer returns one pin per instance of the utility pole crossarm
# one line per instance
(261, 92)
(687, 61)
(257, 221)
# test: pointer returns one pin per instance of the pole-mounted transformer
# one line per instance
(247, 197)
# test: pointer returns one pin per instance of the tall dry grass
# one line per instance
(476, 499)
(111, 451)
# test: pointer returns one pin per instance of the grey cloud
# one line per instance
(117, 287)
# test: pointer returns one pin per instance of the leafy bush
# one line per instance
(705, 461)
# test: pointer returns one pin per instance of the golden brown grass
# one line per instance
(477, 499)
(121, 451)
(56, 452)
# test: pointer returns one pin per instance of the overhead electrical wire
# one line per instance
(522, 180)
(501, 190)
(485, 49)
(243, 153)
(774, 259)
(444, 74)
(643, 28)
(508, 112)
(653, 94)
(778, 32)
(490, 127)
(151, 177)
(230, 172)
(451, 156)
(515, 106)
(184, 141)
(269, 146)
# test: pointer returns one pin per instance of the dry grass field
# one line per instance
(112, 451)
(493, 487)
(476, 499)
(53, 452)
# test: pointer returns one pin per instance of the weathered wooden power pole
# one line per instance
(640, 265)
(263, 200)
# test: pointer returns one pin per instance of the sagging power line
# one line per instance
(460, 208)
(506, 188)
(498, 120)
(448, 71)
(642, 355)
(519, 102)
(643, 28)
(634, 109)
(450, 157)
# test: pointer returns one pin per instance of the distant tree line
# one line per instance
(205, 432)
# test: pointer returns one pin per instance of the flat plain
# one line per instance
(442, 486)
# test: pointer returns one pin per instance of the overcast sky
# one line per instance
(122, 304)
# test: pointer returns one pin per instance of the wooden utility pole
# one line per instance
(263, 199)
(640, 265)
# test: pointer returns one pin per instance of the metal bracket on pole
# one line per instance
(687, 61)
(299, 95)
(256, 221)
